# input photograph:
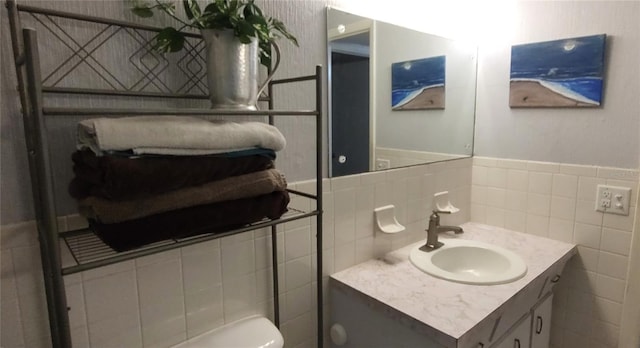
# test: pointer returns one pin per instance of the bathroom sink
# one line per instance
(470, 262)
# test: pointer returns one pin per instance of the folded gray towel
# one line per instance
(175, 135)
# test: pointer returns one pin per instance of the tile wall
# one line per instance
(162, 299)
(558, 201)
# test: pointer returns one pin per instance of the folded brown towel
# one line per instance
(117, 177)
(210, 218)
(235, 187)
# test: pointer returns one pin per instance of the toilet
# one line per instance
(250, 332)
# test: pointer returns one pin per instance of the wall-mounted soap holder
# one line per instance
(386, 220)
(443, 204)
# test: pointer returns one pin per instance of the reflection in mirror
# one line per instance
(366, 134)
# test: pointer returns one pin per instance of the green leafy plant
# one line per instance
(244, 17)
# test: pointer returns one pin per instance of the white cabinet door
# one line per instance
(541, 328)
(519, 337)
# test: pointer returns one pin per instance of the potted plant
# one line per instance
(236, 33)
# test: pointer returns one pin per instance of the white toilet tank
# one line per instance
(250, 332)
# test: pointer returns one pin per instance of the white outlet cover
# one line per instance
(613, 199)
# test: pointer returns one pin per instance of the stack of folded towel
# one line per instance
(140, 180)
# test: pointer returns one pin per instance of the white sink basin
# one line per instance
(470, 262)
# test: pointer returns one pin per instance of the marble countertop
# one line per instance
(445, 310)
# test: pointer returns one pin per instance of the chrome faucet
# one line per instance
(435, 228)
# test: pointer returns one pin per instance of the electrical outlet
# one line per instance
(613, 199)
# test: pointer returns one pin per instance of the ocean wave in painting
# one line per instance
(585, 90)
(401, 97)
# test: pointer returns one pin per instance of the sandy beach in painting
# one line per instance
(534, 94)
(428, 98)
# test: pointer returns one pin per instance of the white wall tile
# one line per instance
(239, 297)
(479, 213)
(364, 249)
(518, 180)
(345, 256)
(297, 302)
(581, 279)
(18, 235)
(587, 235)
(580, 170)
(298, 330)
(547, 167)
(479, 194)
(80, 337)
(119, 331)
(364, 225)
(344, 212)
(479, 175)
(297, 243)
(607, 310)
(345, 182)
(563, 208)
(560, 229)
(11, 324)
(497, 177)
(587, 187)
(604, 334)
(586, 213)
(579, 323)
(496, 197)
(565, 185)
(298, 272)
(618, 173)
(515, 220)
(580, 302)
(619, 222)
(587, 259)
(75, 303)
(540, 183)
(162, 323)
(616, 241)
(516, 200)
(237, 259)
(538, 225)
(111, 296)
(484, 161)
(610, 288)
(613, 265)
(328, 218)
(495, 216)
(511, 164)
(371, 178)
(8, 289)
(159, 282)
(538, 204)
(204, 310)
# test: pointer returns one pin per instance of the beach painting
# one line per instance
(418, 84)
(560, 73)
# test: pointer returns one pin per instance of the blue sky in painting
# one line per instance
(414, 75)
(576, 64)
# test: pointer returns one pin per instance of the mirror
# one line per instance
(397, 97)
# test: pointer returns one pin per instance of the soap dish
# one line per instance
(386, 219)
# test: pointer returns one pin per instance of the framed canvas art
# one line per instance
(560, 73)
(418, 84)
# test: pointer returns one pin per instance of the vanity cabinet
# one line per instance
(519, 337)
(533, 330)
(541, 324)
(389, 302)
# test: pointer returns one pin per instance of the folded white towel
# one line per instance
(175, 135)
